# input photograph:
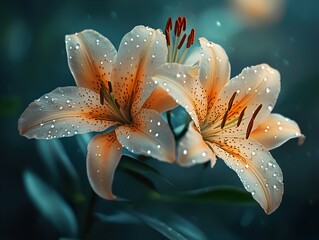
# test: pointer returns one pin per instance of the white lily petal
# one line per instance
(182, 83)
(256, 168)
(192, 149)
(148, 135)
(104, 154)
(214, 71)
(160, 101)
(275, 131)
(65, 112)
(141, 51)
(90, 58)
(254, 86)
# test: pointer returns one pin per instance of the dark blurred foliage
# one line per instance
(33, 62)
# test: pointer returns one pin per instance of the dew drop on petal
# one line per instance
(270, 107)
(267, 90)
(185, 151)
(149, 152)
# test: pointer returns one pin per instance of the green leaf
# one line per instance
(224, 194)
(9, 105)
(140, 167)
(83, 141)
(120, 217)
(169, 224)
(60, 166)
(50, 204)
(162, 227)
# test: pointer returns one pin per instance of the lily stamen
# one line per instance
(169, 24)
(230, 104)
(181, 42)
(168, 37)
(251, 122)
(191, 38)
(108, 95)
(241, 115)
(180, 38)
(110, 86)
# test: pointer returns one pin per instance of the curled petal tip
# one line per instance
(301, 139)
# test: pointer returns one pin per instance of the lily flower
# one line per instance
(113, 96)
(231, 119)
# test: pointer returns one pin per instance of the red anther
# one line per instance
(241, 115)
(110, 86)
(256, 111)
(251, 122)
(184, 23)
(222, 125)
(117, 104)
(249, 128)
(168, 37)
(231, 100)
(190, 39)
(169, 24)
(178, 26)
(182, 41)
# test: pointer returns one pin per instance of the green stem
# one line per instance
(88, 217)
(188, 119)
(169, 120)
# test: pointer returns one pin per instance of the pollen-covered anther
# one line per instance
(230, 104)
(117, 104)
(175, 41)
(178, 26)
(110, 86)
(168, 28)
(169, 24)
(231, 101)
(102, 93)
(184, 23)
(168, 37)
(182, 41)
(241, 115)
(251, 122)
(191, 38)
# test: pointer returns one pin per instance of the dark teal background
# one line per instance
(33, 62)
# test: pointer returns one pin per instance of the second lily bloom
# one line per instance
(231, 119)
